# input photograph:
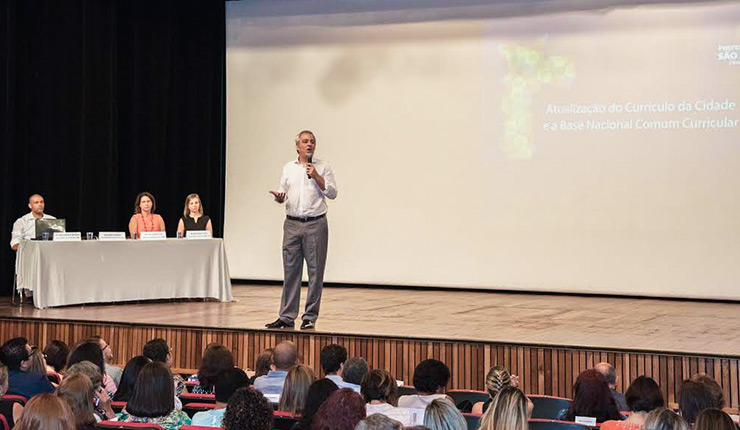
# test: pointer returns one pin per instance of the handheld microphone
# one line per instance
(310, 161)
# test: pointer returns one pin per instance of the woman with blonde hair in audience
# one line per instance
(664, 419)
(92, 371)
(642, 396)
(714, 419)
(17, 407)
(46, 412)
(77, 391)
(441, 414)
(510, 410)
(496, 379)
(295, 389)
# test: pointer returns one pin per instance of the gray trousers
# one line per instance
(303, 240)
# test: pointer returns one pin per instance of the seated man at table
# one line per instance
(16, 355)
(24, 228)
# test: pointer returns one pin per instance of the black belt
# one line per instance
(305, 218)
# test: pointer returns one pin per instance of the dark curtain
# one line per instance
(104, 99)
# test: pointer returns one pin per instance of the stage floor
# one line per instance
(668, 326)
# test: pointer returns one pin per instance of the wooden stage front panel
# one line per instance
(543, 369)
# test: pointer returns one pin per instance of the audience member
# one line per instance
(113, 371)
(78, 392)
(430, 378)
(610, 374)
(128, 378)
(592, 398)
(153, 399)
(262, 364)
(714, 419)
(332, 359)
(353, 373)
(643, 395)
(89, 350)
(379, 422)
(16, 355)
(248, 409)
(295, 389)
(510, 410)
(693, 398)
(46, 412)
(56, 353)
(92, 371)
(284, 357)
(341, 411)
(216, 358)
(38, 363)
(664, 419)
(380, 392)
(159, 350)
(17, 408)
(318, 392)
(714, 388)
(496, 379)
(441, 414)
(227, 382)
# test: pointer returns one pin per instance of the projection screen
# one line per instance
(481, 146)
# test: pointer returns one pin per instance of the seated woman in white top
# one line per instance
(430, 378)
(380, 391)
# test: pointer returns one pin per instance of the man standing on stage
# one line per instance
(24, 228)
(304, 186)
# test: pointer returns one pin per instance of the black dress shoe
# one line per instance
(308, 325)
(278, 323)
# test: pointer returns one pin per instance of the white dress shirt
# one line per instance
(304, 198)
(341, 383)
(24, 228)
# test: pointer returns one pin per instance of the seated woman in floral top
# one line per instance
(153, 399)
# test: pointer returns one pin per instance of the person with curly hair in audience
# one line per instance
(343, 410)
(227, 382)
(56, 353)
(380, 391)
(46, 412)
(128, 378)
(318, 392)
(216, 358)
(642, 396)
(510, 410)
(592, 398)
(77, 391)
(89, 350)
(101, 395)
(496, 379)
(664, 419)
(430, 378)
(153, 399)
(442, 414)
(714, 419)
(248, 409)
(17, 411)
(693, 398)
(295, 389)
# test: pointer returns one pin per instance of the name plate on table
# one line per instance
(588, 421)
(198, 234)
(67, 237)
(112, 235)
(153, 235)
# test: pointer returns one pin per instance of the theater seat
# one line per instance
(472, 396)
(540, 424)
(283, 420)
(193, 408)
(197, 398)
(473, 420)
(117, 406)
(6, 407)
(189, 385)
(4, 423)
(406, 390)
(130, 426)
(548, 407)
(54, 377)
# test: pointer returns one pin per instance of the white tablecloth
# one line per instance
(69, 273)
